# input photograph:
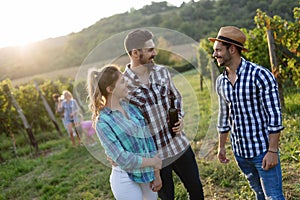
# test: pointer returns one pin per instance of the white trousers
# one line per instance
(124, 188)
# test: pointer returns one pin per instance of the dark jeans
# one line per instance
(187, 170)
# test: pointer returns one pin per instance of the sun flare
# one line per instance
(24, 22)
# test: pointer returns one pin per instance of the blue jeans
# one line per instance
(267, 184)
(187, 169)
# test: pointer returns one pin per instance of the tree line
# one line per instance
(197, 20)
(286, 40)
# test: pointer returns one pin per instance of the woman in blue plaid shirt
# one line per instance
(123, 133)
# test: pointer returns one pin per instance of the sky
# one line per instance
(25, 21)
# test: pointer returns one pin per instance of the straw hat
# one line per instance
(231, 35)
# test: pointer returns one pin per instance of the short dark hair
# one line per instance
(239, 49)
(136, 39)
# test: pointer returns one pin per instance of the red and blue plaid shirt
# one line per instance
(153, 100)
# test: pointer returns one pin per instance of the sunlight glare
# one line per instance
(24, 22)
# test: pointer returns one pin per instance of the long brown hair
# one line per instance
(97, 82)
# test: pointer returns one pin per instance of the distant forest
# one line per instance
(197, 20)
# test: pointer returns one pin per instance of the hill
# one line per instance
(195, 19)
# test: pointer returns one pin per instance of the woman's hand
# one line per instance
(156, 185)
(157, 162)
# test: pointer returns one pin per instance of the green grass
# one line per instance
(60, 171)
(66, 173)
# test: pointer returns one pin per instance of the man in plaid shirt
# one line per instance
(250, 110)
(151, 88)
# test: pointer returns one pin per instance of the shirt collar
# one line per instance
(128, 67)
(241, 67)
(130, 73)
(133, 76)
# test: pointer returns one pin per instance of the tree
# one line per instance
(27, 126)
(286, 42)
(207, 63)
(202, 61)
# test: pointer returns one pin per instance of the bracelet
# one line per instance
(272, 151)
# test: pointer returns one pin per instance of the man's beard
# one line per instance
(222, 64)
(147, 63)
(224, 60)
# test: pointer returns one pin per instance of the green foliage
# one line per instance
(291, 153)
(287, 40)
(60, 171)
(258, 47)
(33, 108)
(69, 174)
(197, 19)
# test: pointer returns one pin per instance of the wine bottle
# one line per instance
(173, 116)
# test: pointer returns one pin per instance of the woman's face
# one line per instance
(120, 90)
(67, 96)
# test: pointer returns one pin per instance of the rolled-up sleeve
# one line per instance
(270, 99)
(223, 125)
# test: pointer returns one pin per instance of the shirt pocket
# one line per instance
(162, 89)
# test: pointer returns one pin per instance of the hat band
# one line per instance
(230, 40)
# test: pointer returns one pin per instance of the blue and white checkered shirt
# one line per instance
(250, 109)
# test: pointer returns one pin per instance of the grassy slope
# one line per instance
(63, 172)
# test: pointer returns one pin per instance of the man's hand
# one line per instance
(270, 160)
(222, 155)
(178, 126)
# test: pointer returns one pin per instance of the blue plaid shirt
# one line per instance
(126, 141)
(250, 109)
(69, 107)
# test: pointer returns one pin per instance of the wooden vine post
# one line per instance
(8, 127)
(274, 62)
(22, 116)
(48, 108)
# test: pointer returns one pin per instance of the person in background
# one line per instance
(57, 98)
(70, 109)
(88, 131)
(249, 108)
(150, 89)
(122, 131)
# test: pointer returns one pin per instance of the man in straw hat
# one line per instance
(249, 108)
